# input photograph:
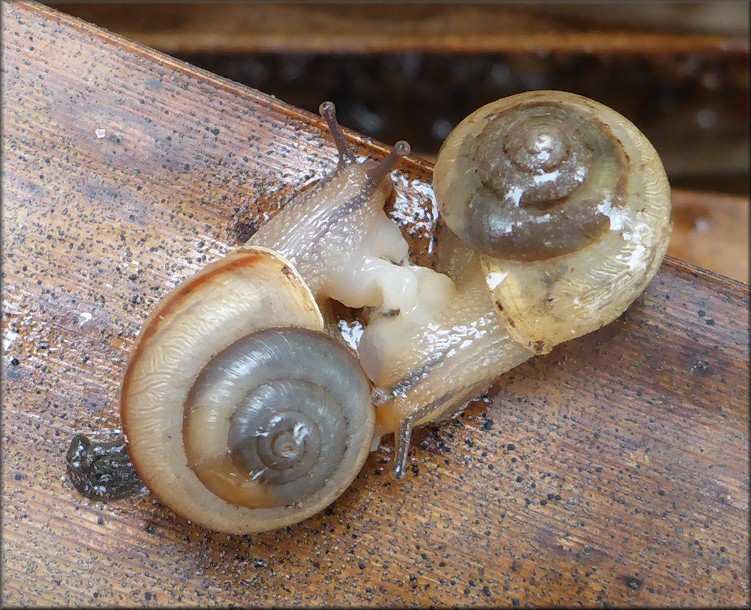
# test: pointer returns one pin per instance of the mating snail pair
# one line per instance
(242, 408)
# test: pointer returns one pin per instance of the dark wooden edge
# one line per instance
(560, 30)
(707, 275)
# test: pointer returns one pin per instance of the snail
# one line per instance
(238, 411)
(558, 216)
(242, 407)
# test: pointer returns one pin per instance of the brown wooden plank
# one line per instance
(369, 28)
(711, 17)
(613, 470)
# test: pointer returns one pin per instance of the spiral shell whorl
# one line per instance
(522, 178)
(533, 157)
(277, 434)
(270, 419)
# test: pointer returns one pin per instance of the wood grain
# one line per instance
(614, 470)
(398, 27)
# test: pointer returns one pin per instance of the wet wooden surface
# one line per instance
(614, 470)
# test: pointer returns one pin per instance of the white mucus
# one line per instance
(495, 278)
(9, 338)
(637, 259)
(546, 177)
(615, 215)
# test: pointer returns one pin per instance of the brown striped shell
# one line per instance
(239, 412)
(567, 202)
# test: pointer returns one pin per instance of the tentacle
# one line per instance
(379, 171)
(346, 154)
(401, 447)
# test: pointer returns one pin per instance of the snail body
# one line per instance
(239, 411)
(336, 233)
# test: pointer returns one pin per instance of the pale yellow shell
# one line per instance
(177, 426)
(548, 301)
